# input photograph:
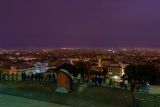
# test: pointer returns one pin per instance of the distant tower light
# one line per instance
(123, 71)
(99, 62)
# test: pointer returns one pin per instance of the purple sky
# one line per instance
(79, 23)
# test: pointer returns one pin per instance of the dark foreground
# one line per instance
(79, 97)
(13, 101)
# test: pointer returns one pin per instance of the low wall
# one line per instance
(146, 100)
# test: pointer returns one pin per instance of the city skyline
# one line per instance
(79, 23)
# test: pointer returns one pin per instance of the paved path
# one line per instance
(154, 89)
(13, 101)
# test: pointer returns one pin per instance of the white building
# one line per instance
(41, 67)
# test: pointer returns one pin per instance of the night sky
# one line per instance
(79, 23)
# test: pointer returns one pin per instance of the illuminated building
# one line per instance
(41, 67)
(13, 69)
(115, 70)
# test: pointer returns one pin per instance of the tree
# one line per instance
(141, 73)
(69, 67)
(51, 70)
(83, 67)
